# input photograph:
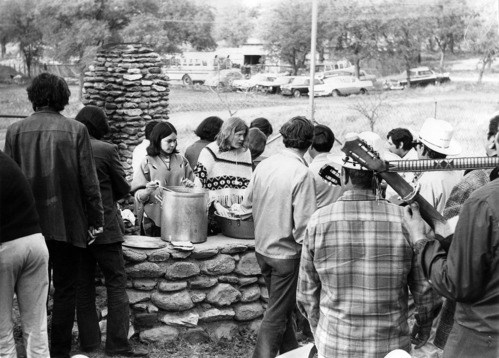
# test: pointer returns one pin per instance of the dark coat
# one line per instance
(113, 186)
(55, 155)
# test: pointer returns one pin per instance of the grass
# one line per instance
(464, 104)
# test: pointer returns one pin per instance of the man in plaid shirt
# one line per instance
(356, 266)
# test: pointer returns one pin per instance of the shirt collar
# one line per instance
(291, 153)
(358, 195)
(320, 156)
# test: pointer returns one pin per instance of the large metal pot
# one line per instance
(184, 214)
(237, 228)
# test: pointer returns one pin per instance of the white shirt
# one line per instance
(326, 194)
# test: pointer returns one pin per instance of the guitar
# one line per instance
(330, 175)
(367, 157)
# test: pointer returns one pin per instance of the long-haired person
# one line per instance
(163, 166)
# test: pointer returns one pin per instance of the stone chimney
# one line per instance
(126, 81)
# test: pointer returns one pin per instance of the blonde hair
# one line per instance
(226, 134)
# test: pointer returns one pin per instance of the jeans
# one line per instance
(23, 271)
(109, 257)
(64, 264)
(277, 331)
(468, 343)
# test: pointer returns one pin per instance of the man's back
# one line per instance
(55, 155)
(365, 264)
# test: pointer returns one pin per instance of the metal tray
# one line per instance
(143, 242)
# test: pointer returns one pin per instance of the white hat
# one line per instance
(398, 353)
(436, 134)
(372, 139)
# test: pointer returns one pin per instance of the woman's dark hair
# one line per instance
(297, 133)
(227, 131)
(160, 131)
(209, 128)
(48, 90)
(262, 124)
(148, 129)
(323, 138)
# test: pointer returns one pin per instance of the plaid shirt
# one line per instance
(355, 268)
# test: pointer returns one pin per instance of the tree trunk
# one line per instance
(485, 60)
(442, 56)
(357, 66)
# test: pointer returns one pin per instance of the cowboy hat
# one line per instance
(436, 134)
(371, 139)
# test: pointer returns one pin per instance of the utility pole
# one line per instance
(312, 59)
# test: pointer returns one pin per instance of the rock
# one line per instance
(250, 293)
(200, 253)
(183, 319)
(165, 286)
(137, 296)
(234, 249)
(179, 254)
(215, 314)
(197, 296)
(159, 335)
(264, 293)
(247, 265)
(222, 330)
(202, 282)
(145, 320)
(244, 281)
(132, 77)
(254, 326)
(140, 307)
(144, 270)
(133, 256)
(223, 294)
(177, 301)
(228, 279)
(222, 264)
(144, 284)
(181, 269)
(152, 308)
(159, 255)
(196, 336)
(248, 311)
(133, 112)
(159, 88)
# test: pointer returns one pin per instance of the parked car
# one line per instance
(363, 75)
(298, 87)
(253, 82)
(223, 79)
(275, 85)
(342, 86)
(419, 76)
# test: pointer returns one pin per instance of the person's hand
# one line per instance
(221, 210)
(414, 223)
(152, 186)
(187, 183)
(92, 234)
(420, 334)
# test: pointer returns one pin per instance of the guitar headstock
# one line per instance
(330, 175)
(364, 154)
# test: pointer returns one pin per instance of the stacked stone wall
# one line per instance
(126, 81)
(209, 293)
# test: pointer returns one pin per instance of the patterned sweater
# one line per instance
(224, 174)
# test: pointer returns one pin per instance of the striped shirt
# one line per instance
(355, 269)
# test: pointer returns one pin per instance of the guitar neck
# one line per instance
(404, 189)
(424, 165)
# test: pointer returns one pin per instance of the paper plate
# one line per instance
(143, 242)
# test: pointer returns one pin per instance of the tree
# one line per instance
(287, 31)
(482, 38)
(235, 24)
(449, 25)
(354, 32)
(406, 34)
(172, 24)
(19, 25)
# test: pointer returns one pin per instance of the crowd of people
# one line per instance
(370, 277)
